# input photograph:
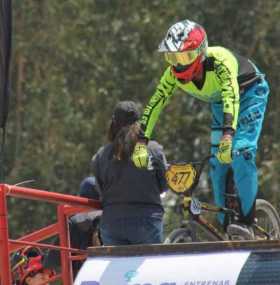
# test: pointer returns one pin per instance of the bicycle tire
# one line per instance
(181, 235)
(272, 223)
(192, 232)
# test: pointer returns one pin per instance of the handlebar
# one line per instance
(201, 164)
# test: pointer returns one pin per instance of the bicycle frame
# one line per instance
(195, 214)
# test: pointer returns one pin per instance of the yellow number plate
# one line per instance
(180, 178)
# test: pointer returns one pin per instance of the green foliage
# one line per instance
(74, 59)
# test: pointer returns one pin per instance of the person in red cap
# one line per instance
(28, 268)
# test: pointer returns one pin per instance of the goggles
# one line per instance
(186, 57)
(181, 58)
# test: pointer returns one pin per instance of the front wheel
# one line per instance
(181, 235)
(268, 219)
(192, 232)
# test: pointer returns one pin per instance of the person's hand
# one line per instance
(140, 155)
(224, 151)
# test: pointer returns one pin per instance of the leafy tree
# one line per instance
(74, 59)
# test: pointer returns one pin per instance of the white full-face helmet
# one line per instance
(185, 47)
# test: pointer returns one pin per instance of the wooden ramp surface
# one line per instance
(185, 248)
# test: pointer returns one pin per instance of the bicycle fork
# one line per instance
(194, 206)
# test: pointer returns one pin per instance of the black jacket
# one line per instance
(126, 190)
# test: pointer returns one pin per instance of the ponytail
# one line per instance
(124, 140)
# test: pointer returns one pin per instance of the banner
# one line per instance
(177, 269)
(5, 55)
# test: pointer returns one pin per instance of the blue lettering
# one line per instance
(201, 282)
(143, 284)
(129, 275)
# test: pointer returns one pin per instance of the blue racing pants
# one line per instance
(251, 114)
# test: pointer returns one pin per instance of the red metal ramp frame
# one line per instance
(66, 205)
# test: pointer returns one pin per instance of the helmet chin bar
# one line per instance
(190, 71)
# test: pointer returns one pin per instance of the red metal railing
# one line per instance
(67, 205)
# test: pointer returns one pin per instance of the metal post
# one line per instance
(66, 268)
(5, 270)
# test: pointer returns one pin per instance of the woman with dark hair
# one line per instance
(132, 210)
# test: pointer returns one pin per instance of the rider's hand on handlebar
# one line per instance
(225, 147)
(140, 155)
